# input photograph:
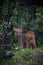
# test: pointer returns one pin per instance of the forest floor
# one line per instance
(25, 57)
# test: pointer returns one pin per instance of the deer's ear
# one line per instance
(13, 28)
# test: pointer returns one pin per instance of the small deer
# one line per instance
(28, 38)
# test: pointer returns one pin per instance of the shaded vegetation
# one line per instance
(24, 58)
(20, 14)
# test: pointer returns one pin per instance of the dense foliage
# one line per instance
(17, 13)
(21, 16)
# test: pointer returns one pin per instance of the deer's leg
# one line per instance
(27, 44)
(34, 43)
(35, 47)
(20, 41)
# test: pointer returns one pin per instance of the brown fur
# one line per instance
(27, 38)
